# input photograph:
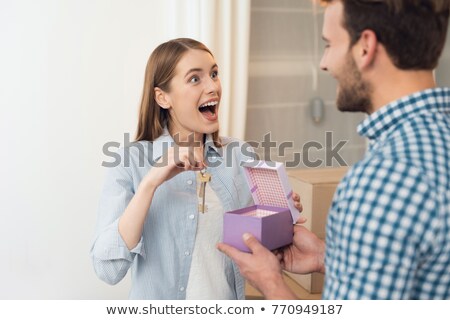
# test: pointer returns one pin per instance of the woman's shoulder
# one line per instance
(225, 141)
(239, 148)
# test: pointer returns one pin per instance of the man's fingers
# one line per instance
(237, 255)
(279, 256)
(233, 253)
(252, 243)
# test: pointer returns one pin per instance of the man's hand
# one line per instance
(261, 268)
(305, 255)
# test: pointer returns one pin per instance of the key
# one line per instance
(204, 177)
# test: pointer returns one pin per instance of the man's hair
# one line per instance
(412, 31)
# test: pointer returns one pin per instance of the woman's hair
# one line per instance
(159, 73)
(412, 31)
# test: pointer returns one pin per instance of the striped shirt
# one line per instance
(161, 262)
(388, 231)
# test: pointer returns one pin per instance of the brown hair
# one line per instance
(412, 31)
(159, 72)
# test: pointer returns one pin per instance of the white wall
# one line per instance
(71, 74)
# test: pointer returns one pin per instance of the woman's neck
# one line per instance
(192, 139)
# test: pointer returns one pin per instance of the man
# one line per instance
(388, 231)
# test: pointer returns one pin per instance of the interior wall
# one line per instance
(443, 69)
(70, 81)
(284, 77)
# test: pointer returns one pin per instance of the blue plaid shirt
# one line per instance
(388, 231)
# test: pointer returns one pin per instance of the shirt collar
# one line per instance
(165, 140)
(430, 100)
(162, 144)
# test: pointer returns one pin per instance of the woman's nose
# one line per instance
(213, 86)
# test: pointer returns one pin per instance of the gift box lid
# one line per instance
(269, 185)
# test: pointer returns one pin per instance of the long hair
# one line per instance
(159, 72)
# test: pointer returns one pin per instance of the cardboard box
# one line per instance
(271, 219)
(316, 188)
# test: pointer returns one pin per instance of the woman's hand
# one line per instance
(174, 161)
(297, 201)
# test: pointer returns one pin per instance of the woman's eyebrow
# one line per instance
(193, 70)
(199, 69)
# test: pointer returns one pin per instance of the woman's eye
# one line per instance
(214, 74)
(194, 79)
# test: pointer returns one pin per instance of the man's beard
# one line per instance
(354, 92)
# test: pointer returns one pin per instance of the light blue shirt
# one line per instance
(160, 263)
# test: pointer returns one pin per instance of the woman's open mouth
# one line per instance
(209, 110)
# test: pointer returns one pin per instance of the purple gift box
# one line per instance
(271, 219)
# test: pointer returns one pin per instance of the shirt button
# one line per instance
(182, 289)
(186, 253)
(189, 182)
(192, 217)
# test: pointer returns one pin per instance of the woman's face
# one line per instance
(194, 96)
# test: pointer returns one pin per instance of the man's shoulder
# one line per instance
(383, 174)
(417, 140)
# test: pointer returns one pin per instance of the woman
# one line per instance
(162, 216)
(149, 216)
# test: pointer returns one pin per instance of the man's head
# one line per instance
(412, 33)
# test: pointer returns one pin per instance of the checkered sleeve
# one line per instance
(385, 217)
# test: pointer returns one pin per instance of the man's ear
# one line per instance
(365, 51)
(162, 98)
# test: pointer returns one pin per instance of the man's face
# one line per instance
(353, 93)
